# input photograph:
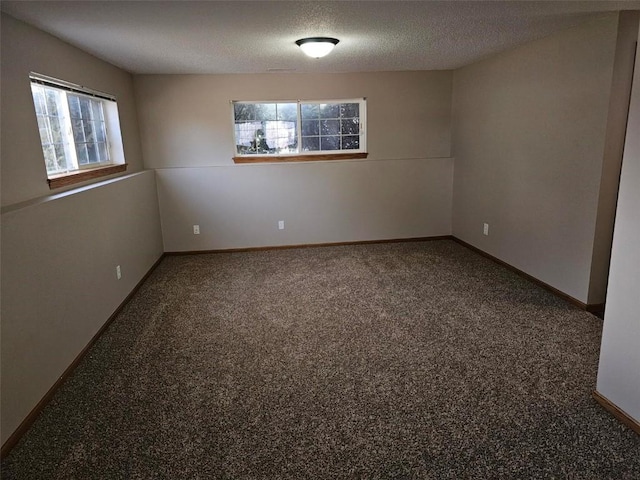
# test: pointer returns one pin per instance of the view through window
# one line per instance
(299, 128)
(73, 123)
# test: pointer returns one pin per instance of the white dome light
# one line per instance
(317, 47)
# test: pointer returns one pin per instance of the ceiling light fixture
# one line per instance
(317, 47)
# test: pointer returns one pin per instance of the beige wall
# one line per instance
(187, 120)
(619, 371)
(319, 202)
(612, 159)
(58, 279)
(529, 135)
(59, 251)
(402, 190)
(26, 49)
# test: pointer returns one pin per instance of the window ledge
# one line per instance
(67, 179)
(298, 158)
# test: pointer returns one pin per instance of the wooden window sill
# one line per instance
(298, 158)
(67, 179)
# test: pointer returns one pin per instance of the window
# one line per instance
(79, 131)
(303, 130)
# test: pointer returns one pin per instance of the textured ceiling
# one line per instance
(259, 36)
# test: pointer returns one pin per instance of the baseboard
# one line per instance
(613, 409)
(31, 417)
(596, 308)
(312, 245)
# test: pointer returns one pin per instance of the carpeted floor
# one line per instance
(407, 360)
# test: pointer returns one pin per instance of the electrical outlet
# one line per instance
(196, 229)
(280, 224)
(485, 229)
(118, 272)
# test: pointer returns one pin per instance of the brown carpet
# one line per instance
(408, 360)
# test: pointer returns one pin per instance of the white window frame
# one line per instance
(356, 153)
(109, 121)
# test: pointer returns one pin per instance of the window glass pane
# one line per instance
(329, 110)
(245, 134)
(85, 109)
(273, 128)
(88, 131)
(101, 134)
(350, 142)
(266, 111)
(74, 106)
(38, 99)
(330, 143)
(103, 152)
(310, 110)
(60, 157)
(44, 130)
(88, 128)
(330, 127)
(44, 136)
(83, 156)
(310, 144)
(310, 127)
(78, 130)
(55, 129)
(259, 143)
(287, 111)
(350, 126)
(349, 110)
(96, 108)
(244, 111)
(92, 151)
(51, 101)
(50, 158)
(280, 136)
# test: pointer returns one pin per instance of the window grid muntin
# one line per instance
(97, 126)
(264, 128)
(57, 162)
(331, 118)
